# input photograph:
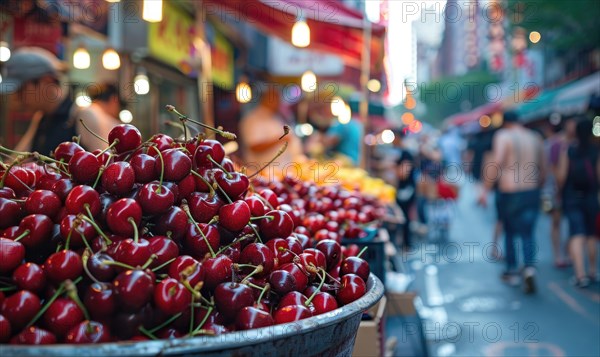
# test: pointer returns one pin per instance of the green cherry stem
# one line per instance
(199, 327)
(279, 153)
(22, 235)
(115, 142)
(84, 259)
(163, 264)
(223, 192)
(102, 168)
(162, 172)
(225, 134)
(98, 230)
(118, 264)
(147, 333)
(203, 179)
(259, 269)
(166, 323)
(219, 166)
(266, 288)
(91, 132)
(149, 261)
(72, 294)
(136, 234)
(186, 209)
(256, 218)
(362, 251)
(310, 299)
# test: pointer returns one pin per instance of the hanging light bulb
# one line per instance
(81, 58)
(300, 34)
(4, 52)
(111, 59)
(337, 105)
(243, 92)
(152, 10)
(125, 116)
(308, 81)
(141, 83)
(345, 116)
(113, 0)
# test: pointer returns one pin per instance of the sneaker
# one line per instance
(580, 283)
(529, 280)
(509, 278)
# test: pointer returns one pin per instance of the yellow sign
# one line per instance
(222, 62)
(171, 40)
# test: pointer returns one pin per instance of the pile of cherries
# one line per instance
(165, 239)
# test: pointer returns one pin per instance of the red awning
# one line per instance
(334, 27)
(475, 114)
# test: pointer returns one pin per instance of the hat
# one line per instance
(26, 64)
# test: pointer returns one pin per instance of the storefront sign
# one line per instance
(222, 62)
(287, 60)
(171, 40)
(28, 32)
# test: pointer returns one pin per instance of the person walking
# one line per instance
(578, 176)
(405, 186)
(517, 156)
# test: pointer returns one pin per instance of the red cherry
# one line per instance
(279, 225)
(80, 197)
(5, 329)
(281, 250)
(120, 213)
(100, 300)
(62, 188)
(234, 216)
(217, 148)
(164, 248)
(30, 276)
(162, 142)
(355, 265)
(34, 336)
(257, 207)
(40, 230)
(292, 298)
(201, 156)
(282, 282)
(320, 259)
(234, 184)
(11, 255)
(204, 206)
(63, 265)
(99, 266)
(84, 167)
(155, 199)
(230, 298)
(78, 230)
(134, 289)
(43, 202)
(172, 297)
(177, 165)
(20, 308)
(187, 186)
(187, 268)
(132, 252)
(255, 254)
(87, 332)
(353, 287)
(143, 166)
(7, 192)
(195, 241)
(270, 196)
(298, 273)
(118, 178)
(62, 315)
(128, 135)
(332, 251)
(250, 317)
(173, 223)
(65, 151)
(10, 211)
(217, 270)
(291, 313)
(324, 302)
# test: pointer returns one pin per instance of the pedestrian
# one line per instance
(578, 175)
(33, 76)
(101, 116)
(405, 186)
(345, 139)
(517, 154)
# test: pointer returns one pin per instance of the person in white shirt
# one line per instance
(101, 116)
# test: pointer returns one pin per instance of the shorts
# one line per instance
(581, 215)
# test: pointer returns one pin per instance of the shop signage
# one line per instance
(287, 60)
(222, 62)
(171, 40)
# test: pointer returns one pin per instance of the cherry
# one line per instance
(5, 329)
(39, 228)
(87, 332)
(120, 214)
(250, 317)
(63, 265)
(65, 151)
(291, 313)
(177, 165)
(7, 192)
(103, 156)
(172, 297)
(230, 298)
(187, 268)
(282, 282)
(332, 251)
(118, 178)
(77, 229)
(62, 188)
(218, 151)
(186, 186)
(257, 207)
(155, 199)
(173, 223)
(128, 135)
(143, 167)
(126, 324)
(133, 252)
(308, 263)
(162, 142)
(62, 315)
(281, 251)
(98, 264)
(43, 202)
(134, 289)
(234, 184)
(228, 164)
(297, 243)
(270, 196)
(201, 155)
(320, 260)
(298, 273)
(196, 241)
(204, 206)
(10, 211)
(100, 300)
(217, 270)
(84, 167)
(11, 255)
(234, 216)
(355, 265)
(277, 224)
(34, 336)
(30, 276)
(164, 249)
(352, 288)
(20, 308)
(258, 254)
(324, 302)
(295, 214)
(293, 298)
(81, 197)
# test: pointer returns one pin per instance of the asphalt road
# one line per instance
(469, 311)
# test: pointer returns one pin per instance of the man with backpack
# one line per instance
(578, 175)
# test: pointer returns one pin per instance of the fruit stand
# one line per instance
(161, 246)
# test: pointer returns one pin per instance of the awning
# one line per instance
(473, 115)
(575, 98)
(334, 27)
(539, 107)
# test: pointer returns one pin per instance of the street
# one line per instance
(468, 311)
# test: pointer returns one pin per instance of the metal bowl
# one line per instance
(330, 334)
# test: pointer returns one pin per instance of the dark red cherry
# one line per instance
(299, 274)
(187, 268)
(196, 240)
(291, 313)
(88, 332)
(250, 317)
(332, 251)
(20, 308)
(230, 298)
(257, 207)
(5, 329)
(292, 298)
(34, 336)
(7, 192)
(143, 166)
(118, 178)
(234, 184)
(43, 202)
(320, 259)
(217, 270)
(177, 165)
(155, 199)
(40, 229)
(173, 223)
(10, 211)
(134, 289)
(11, 255)
(30, 276)
(65, 151)
(234, 216)
(187, 186)
(84, 167)
(63, 265)
(279, 225)
(282, 282)
(76, 230)
(352, 288)
(132, 252)
(98, 264)
(281, 250)
(100, 300)
(172, 297)
(258, 254)
(81, 197)
(62, 188)
(62, 315)
(204, 206)
(217, 148)
(120, 214)
(324, 302)
(128, 135)
(270, 197)
(355, 265)
(161, 142)
(201, 156)
(164, 248)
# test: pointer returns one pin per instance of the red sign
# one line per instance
(29, 32)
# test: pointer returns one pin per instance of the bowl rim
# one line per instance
(204, 344)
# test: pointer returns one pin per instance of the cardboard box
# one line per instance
(370, 339)
(401, 304)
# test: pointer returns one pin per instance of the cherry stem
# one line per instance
(100, 171)
(7, 170)
(212, 190)
(196, 294)
(147, 333)
(16, 200)
(332, 278)
(257, 270)
(22, 235)
(286, 130)
(163, 264)
(136, 234)
(98, 230)
(77, 139)
(166, 323)
(362, 251)
(265, 201)
(279, 153)
(223, 192)
(310, 299)
(261, 217)
(8, 288)
(225, 134)
(219, 166)
(162, 171)
(186, 209)
(72, 294)
(252, 285)
(55, 296)
(118, 264)
(149, 261)
(183, 120)
(84, 259)
(192, 308)
(115, 142)
(199, 328)
(68, 240)
(91, 132)
(263, 292)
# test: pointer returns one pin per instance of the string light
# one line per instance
(111, 59)
(152, 10)
(300, 34)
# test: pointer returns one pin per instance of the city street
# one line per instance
(468, 311)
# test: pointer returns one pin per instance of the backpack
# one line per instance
(582, 170)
